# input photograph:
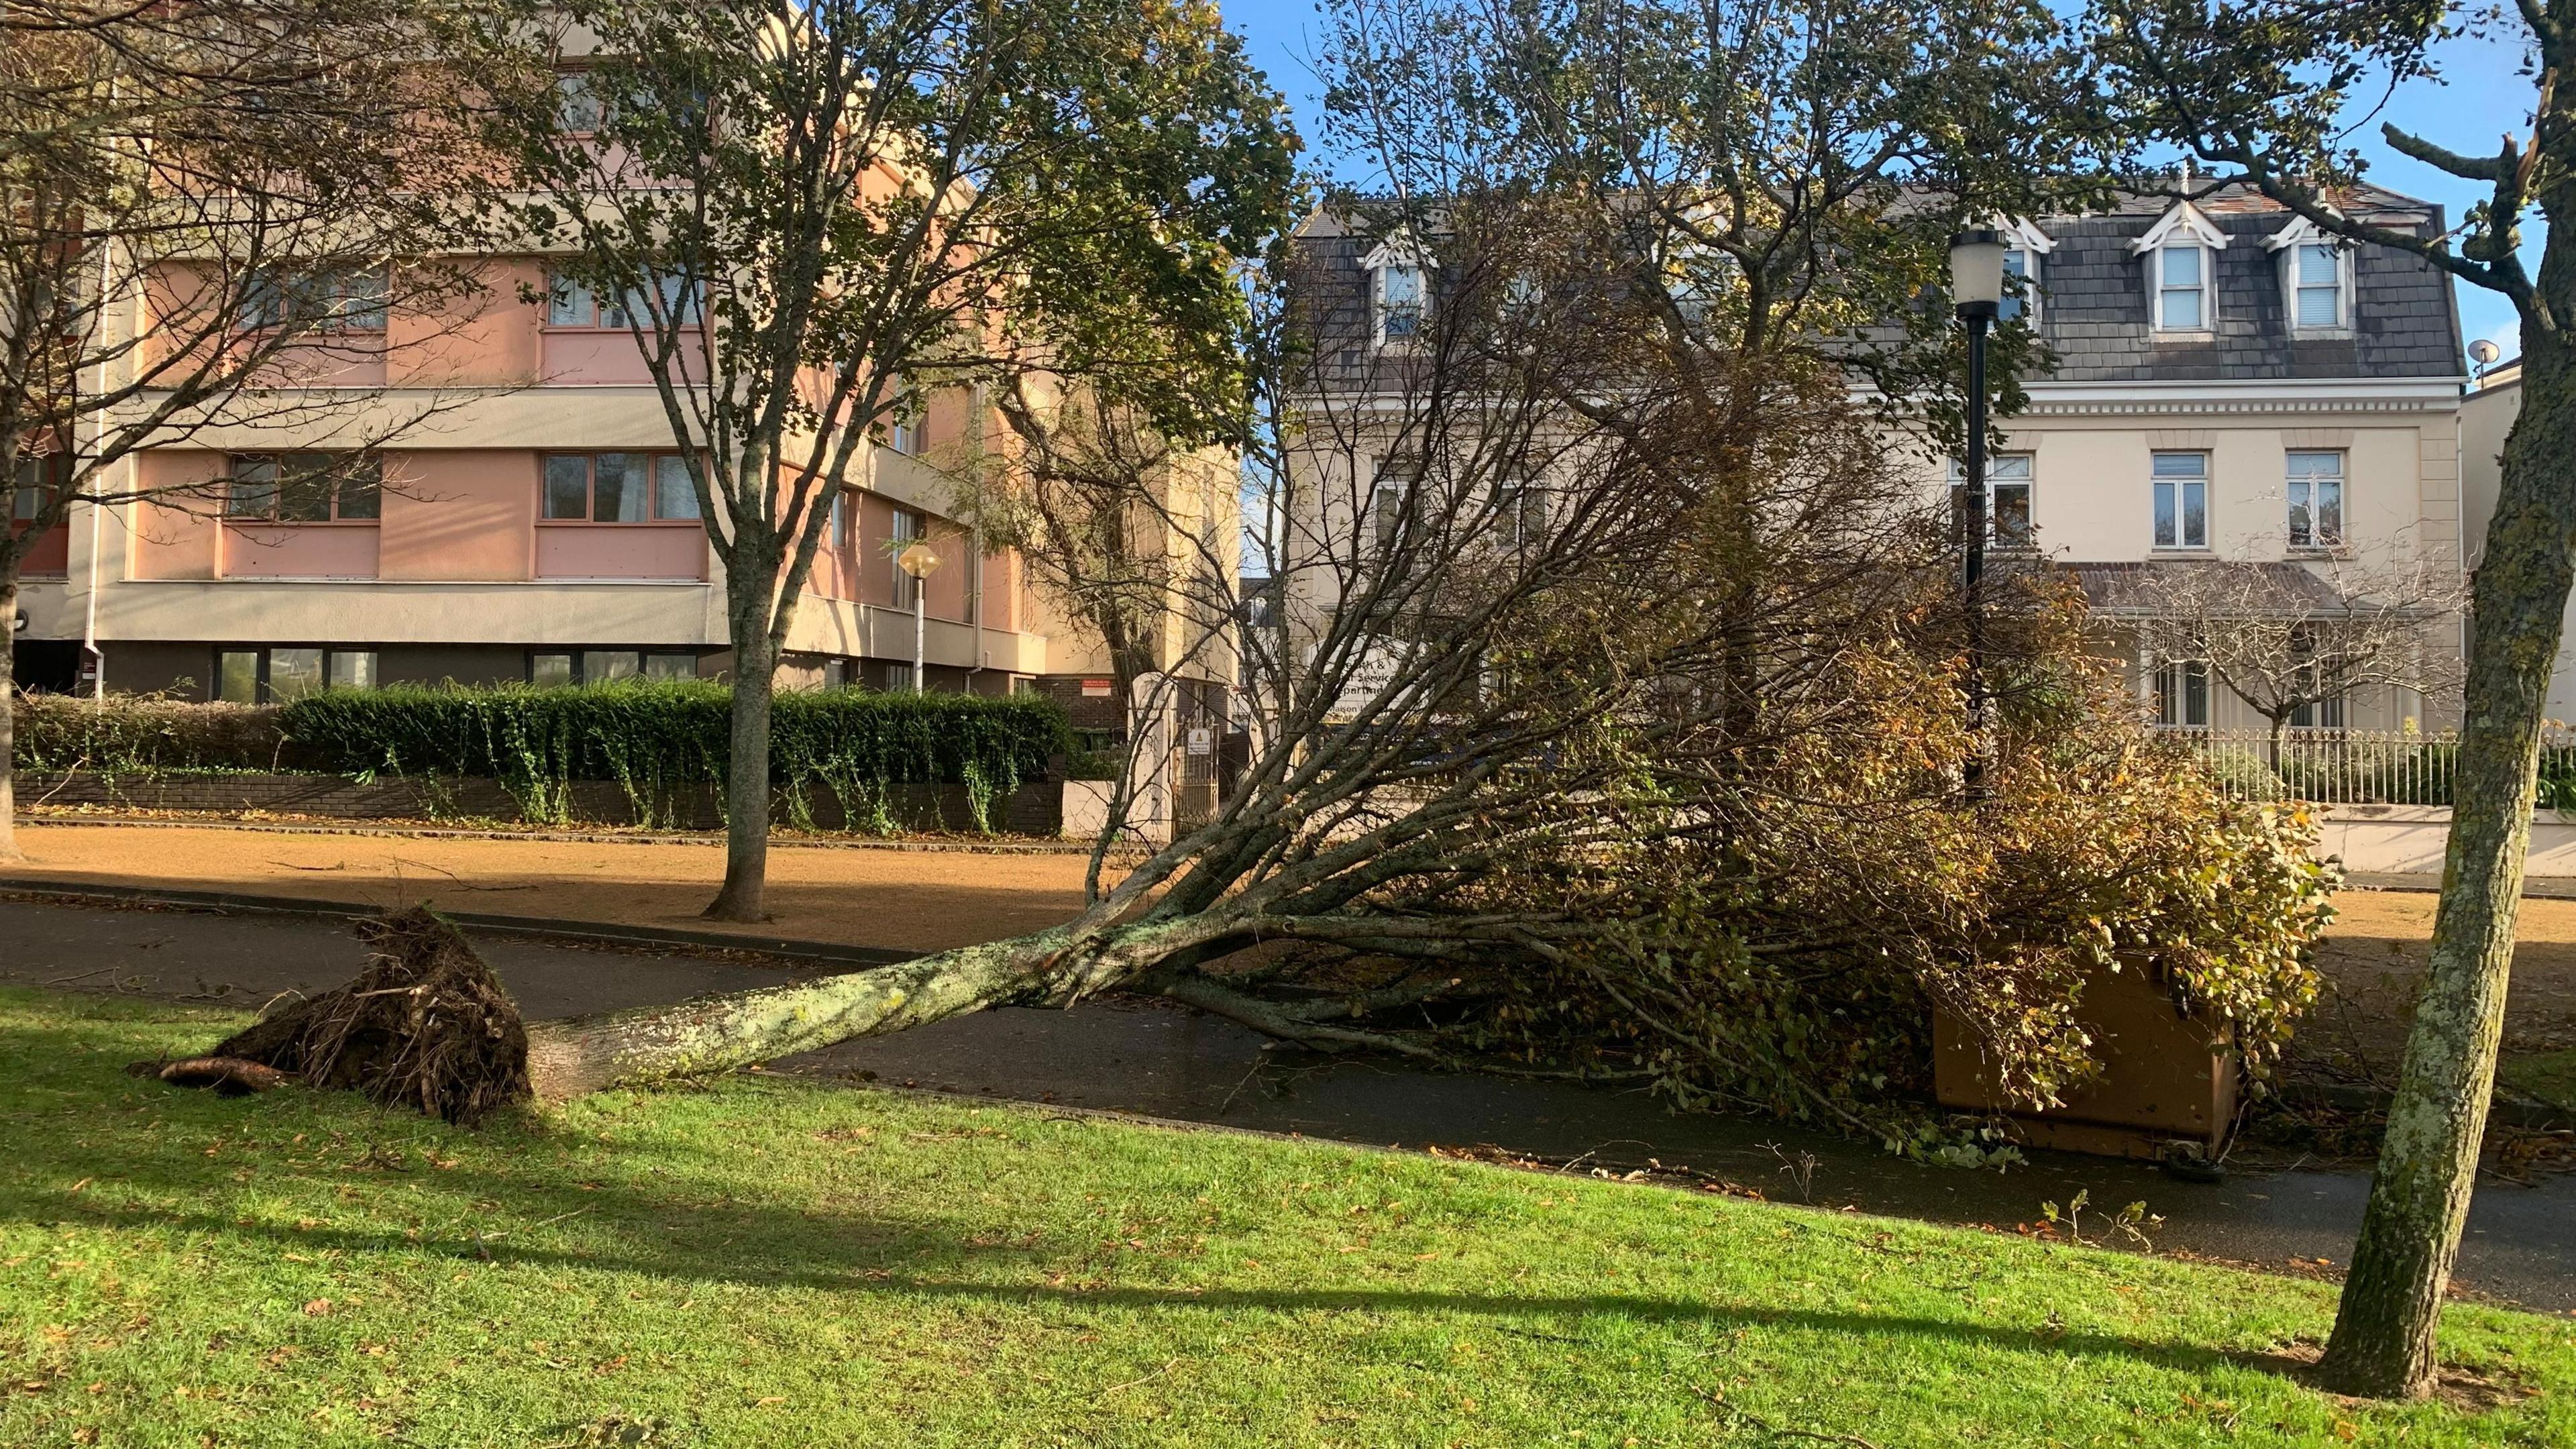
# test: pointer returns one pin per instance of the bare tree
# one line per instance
(803, 215)
(209, 214)
(1119, 524)
(2289, 638)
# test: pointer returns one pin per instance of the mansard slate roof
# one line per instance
(2093, 311)
(2095, 298)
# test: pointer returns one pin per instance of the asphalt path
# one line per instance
(1156, 1060)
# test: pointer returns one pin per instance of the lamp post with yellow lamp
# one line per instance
(919, 560)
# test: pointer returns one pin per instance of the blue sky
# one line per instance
(2485, 95)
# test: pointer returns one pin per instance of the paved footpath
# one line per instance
(1156, 1060)
(905, 900)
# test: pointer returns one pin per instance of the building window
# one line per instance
(2182, 694)
(336, 299)
(898, 679)
(2182, 500)
(555, 670)
(2182, 288)
(580, 106)
(904, 431)
(2315, 490)
(1520, 516)
(283, 675)
(305, 487)
(2316, 285)
(571, 303)
(2325, 714)
(618, 488)
(37, 480)
(909, 528)
(1403, 298)
(2021, 286)
(1394, 479)
(2008, 487)
(840, 521)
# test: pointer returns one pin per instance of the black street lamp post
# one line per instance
(1977, 289)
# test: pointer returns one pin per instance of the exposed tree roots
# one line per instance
(425, 1025)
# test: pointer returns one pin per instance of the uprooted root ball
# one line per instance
(426, 1025)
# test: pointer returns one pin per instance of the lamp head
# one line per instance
(1977, 272)
(917, 559)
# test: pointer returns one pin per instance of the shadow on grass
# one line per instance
(71, 1115)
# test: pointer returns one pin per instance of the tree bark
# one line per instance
(578, 1055)
(2383, 1342)
(755, 672)
(9, 852)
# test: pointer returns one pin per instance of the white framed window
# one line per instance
(2009, 480)
(2180, 253)
(2021, 286)
(1520, 515)
(2182, 694)
(2181, 488)
(2182, 288)
(2315, 492)
(2323, 714)
(1403, 301)
(2317, 285)
(1392, 480)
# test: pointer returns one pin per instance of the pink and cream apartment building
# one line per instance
(531, 525)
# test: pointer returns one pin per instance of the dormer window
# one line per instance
(2182, 288)
(2317, 281)
(2024, 246)
(1399, 292)
(2019, 301)
(2181, 255)
(2316, 278)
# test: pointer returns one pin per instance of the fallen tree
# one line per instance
(1610, 643)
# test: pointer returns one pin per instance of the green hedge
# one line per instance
(149, 735)
(657, 740)
(661, 742)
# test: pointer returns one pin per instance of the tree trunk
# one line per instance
(9, 853)
(577, 1055)
(2419, 1198)
(755, 673)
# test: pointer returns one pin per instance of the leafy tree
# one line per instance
(809, 216)
(195, 218)
(2263, 89)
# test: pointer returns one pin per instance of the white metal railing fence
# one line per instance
(2357, 767)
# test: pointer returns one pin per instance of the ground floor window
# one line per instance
(601, 666)
(2325, 714)
(898, 679)
(283, 674)
(2182, 694)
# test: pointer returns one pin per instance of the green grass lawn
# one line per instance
(773, 1262)
(2550, 1077)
